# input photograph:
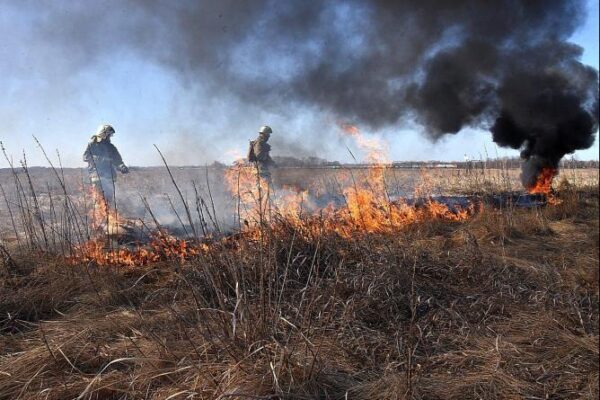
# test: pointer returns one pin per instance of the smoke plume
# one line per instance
(505, 66)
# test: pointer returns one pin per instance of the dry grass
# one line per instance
(503, 306)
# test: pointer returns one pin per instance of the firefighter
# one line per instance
(104, 161)
(259, 153)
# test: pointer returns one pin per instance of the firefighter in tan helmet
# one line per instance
(259, 153)
(104, 161)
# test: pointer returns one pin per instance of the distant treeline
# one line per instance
(506, 162)
(515, 162)
(316, 162)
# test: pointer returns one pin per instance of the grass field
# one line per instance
(155, 185)
(503, 304)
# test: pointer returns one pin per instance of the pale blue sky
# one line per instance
(148, 105)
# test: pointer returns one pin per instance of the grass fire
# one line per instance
(296, 200)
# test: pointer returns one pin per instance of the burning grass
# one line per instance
(377, 297)
(500, 305)
(160, 247)
(543, 184)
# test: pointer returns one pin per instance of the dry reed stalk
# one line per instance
(501, 306)
(12, 218)
(185, 205)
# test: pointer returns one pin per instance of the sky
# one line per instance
(190, 120)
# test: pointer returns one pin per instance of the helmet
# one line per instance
(104, 131)
(265, 129)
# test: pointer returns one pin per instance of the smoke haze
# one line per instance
(436, 66)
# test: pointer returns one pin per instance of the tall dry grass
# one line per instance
(503, 306)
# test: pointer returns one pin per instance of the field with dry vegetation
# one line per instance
(381, 302)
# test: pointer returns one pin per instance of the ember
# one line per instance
(161, 247)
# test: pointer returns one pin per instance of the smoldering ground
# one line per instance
(503, 66)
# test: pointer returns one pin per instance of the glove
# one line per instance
(123, 168)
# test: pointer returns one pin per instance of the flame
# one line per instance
(160, 247)
(365, 213)
(368, 209)
(104, 219)
(107, 223)
(543, 184)
(372, 147)
(257, 202)
(250, 191)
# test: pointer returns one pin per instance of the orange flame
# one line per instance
(250, 191)
(374, 148)
(368, 209)
(106, 224)
(366, 213)
(161, 247)
(104, 218)
(543, 184)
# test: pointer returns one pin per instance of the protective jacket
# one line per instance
(262, 157)
(262, 151)
(103, 158)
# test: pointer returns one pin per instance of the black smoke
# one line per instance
(505, 65)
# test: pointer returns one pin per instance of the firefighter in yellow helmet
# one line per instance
(259, 153)
(104, 161)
